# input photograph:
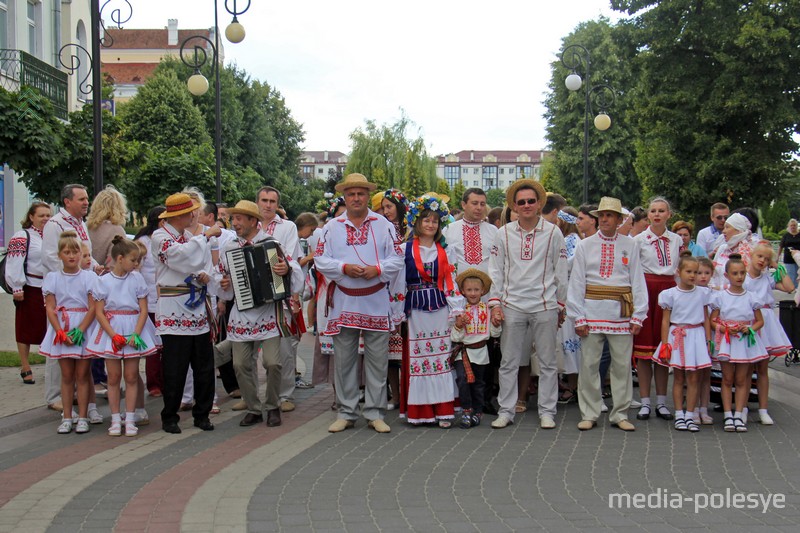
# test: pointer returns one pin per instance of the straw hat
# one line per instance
(608, 203)
(541, 194)
(246, 207)
(178, 204)
(442, 197)
(355, 180)
(377, 200)
(475, 273)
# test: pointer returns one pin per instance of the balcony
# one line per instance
(18, 68)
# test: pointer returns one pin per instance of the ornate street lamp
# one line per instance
(198, 84)
(603, 96)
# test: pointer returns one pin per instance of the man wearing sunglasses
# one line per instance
(528, 266)
(707, 236)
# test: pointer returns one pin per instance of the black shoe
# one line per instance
(251, 419)
(642, 415)
(273, 418)
(665, 416)
(171, 427)
(204, 424)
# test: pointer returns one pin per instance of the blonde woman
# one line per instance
(106, 220)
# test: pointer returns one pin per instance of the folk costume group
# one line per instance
(407, 305)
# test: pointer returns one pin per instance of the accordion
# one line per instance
(254, 283)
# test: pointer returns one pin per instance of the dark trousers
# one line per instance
(181, 351)
(226, 372)
(152, 368)
(470, 394)
(99, 371)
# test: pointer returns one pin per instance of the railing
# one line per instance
(19, 68)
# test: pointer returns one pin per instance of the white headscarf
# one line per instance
(740, 223)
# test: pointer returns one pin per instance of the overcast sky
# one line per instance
(471, 74)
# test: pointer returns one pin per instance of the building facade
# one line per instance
(489, 169)
(320, 164)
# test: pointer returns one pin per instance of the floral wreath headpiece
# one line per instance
(397, 196)
(334, 204)
(426, 201)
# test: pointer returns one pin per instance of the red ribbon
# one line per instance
(445, 268)
(61, 337)
(118, 342)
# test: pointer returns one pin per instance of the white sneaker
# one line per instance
(766, 420)
(603, 407)
(546, 422)
(501, 421)
(66, 426)
(82, 426)
(95, 417)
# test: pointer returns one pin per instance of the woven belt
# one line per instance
(460, 347)
(64, 311)
(621, 294)
(364, 291)
(167, 292)
(419, 286)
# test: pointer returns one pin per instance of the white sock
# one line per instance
(727, 414)
(696, 415)
(703, 410)
(661, 400)
(762, 412)
(92, 406)
(680, 414)
(140, 412)
(745, 412)
(129, 417)
(737, 414)
(115, 418)
(645, 401)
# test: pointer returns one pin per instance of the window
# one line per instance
(502, 171)
(475, 183)
(3, 24)
(524, 171)
(452, 175)
(320, 170)
(33, 49)
(489, 176)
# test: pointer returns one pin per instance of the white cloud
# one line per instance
(471, 74)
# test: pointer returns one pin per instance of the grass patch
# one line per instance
(12, 359)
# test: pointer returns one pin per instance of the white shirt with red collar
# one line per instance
(260, 322)
(469, 245)
(179, 255)
(529, 268)
(58, 224)
(659, 255)
(286, 233)
(25, 244)
(371, 244)
(612, 262)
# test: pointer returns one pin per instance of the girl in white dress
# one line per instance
(685, 338)
(705, 273)
(70, 311)
(123, 332)
(761, 283)
(736, 318)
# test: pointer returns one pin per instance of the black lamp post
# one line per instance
(198, 84)
(95, 88)
(573, 57)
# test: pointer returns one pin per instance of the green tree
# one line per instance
(611, 152)
(458, 193)
(495, 197)
(716, 104)
(388, 150)
(443, 188)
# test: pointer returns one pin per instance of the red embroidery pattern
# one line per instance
(479, 319)
(162, 254)
(16, 247)
(526, 247)
(183, 322)
(270, 229)
(661, 245)
(320, 248)
(357, 236)
(243, 329)
(473, 250)
(358, 321)
(606, 260)
(77, 225)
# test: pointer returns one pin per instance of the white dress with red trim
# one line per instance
(121, 296)
(71, 292)
(431, 389)
(773, 334)
(736, 309)
(687, 336)
(357, 302)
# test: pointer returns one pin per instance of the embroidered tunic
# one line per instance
(370, 244)
(285, 232)
(772, 333)
(176, 257)
(479, 328)
(659, 255)
(71, 292)
(469, 245)
(148, 271)
(121, 296)
(58, 224)
(529, 269)
(15, 262)
(260, 322)
(611, 262)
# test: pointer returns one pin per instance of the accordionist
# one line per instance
(261, 326)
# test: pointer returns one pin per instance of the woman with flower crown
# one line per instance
(432, 302)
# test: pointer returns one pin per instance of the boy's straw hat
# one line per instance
(475, 273)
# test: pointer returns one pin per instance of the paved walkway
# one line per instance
(298, 477)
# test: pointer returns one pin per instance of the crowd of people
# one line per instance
(444, 313)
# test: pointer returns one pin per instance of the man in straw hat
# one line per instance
(608, 302)
(357, 255)
(183, 264)
(259, 327)
(529, 270)
(285, 231)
